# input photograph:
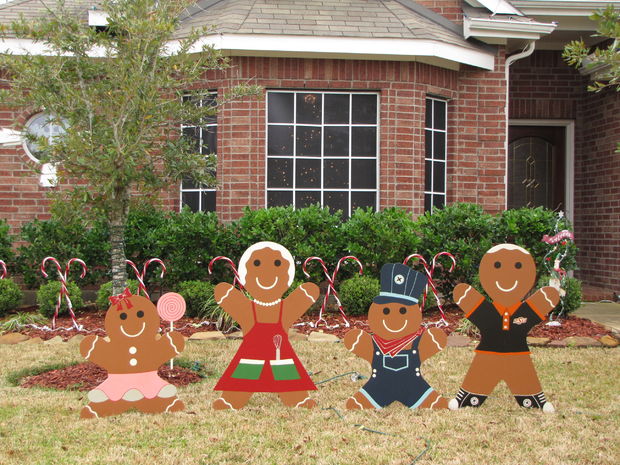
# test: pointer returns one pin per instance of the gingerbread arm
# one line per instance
(94, 349)
(234, 303)
(467, 298)
(298, 303)
(433, 341)
(171, 344)
(544, 300)
(360, 343)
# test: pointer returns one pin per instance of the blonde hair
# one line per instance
(286, 255)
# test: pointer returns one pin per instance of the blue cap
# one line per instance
(401, 284)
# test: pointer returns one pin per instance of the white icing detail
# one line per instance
(356, 401)
(267, 304)
(267, 287)
(547, 298)
(133, 362)
(132, 350)
(356, 341)
(433, 338)
(170, 406)
(436, 400)
(133, 335)
(499, 247)
(225, 295)
(168, 390)
(458, 302)
(307, 295)
(92, 348)
(299, 404)
(514, 286)
(227, 403)
(172, 344)
(92, 411)
(395, 330)
(133, 395)
(97, 396)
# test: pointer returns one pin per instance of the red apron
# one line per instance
(258, 366)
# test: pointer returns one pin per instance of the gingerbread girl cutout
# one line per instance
(397, 346)
(132, 356)
(265, 361)
(507, 274)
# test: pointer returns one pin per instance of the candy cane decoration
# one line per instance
(237, 280)
(64, 292)
(330, 288)
(140, 276)
(4, 273)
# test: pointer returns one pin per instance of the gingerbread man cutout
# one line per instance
(132, 356)
(397, 346)
(265, 361)
(507, 274)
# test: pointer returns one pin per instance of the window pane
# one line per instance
(364, 174)
(279, 198)
(336, 108)
(363, 200)
(280, 107)
(428, 122)
(364, 142)
(439, 179)
(439, 119)
(428, 144)
(428, 198)
(208, 201)
(439, 201)
(209, 140)
(188, 183)
(308, 141)
(280, 140)
(428, 176)
(337, 201)
(308, 173)
(279, 172)
(439, 149)
(193, 135)
(191, 199)
(306, 198)
(309, 108)
(336, 173)
(336, 141)
(364, 109)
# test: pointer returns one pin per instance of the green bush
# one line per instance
(47, 296)
(572, 300)
(356, 294)
(10, 296)
(105, 292)
(6, 251)
(198, 297)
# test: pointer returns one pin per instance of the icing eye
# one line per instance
(403, 310)
(277, 263)
(498, 264)
(123, 316)
(386, 311)
(256, 262)
(140, 314)
(518, 265)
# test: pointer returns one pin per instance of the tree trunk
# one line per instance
(118, 220)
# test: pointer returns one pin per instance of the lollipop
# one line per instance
(171, 307)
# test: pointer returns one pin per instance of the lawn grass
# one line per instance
(42, 426)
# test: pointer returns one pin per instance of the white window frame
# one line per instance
(432, 191)
(322, 157)
(25, 139)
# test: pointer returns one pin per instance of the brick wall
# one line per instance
(450, 9)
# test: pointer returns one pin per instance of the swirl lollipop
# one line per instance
(171, 307)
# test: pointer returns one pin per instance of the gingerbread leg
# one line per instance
(105, 409)
(160, 404)
(232, 400)
(297, 399)
(434, 401)
(483, 375)
(358, 401)
(525, 386)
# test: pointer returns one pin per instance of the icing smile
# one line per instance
(266, 287)
(133, 335)
(506, 290)
(395, 330)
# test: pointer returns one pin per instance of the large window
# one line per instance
(197, 196)
(435, 154)
(322, 148)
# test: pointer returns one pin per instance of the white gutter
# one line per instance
(505, 28)
(527, 51)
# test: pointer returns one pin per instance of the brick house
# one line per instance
(387, 103)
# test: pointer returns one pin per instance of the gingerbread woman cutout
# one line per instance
(507, 274)
(132, 356)
(265, 361)
(397, 346)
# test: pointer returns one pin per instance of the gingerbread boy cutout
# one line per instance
(507, 274)
(265, 361)
(132, 356)
(397, 346)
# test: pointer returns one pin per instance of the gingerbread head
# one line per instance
(131, 317)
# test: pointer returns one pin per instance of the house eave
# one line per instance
(560, 7)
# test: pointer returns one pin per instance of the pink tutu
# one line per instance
(116, 385)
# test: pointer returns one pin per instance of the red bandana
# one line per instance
(394, 346)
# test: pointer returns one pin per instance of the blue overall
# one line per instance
(396, 378)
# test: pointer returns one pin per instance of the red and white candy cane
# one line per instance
(140, 276)
(236, 281)
(64, 292)
(330, 288)
(4, 273)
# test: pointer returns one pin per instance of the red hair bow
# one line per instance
(123, 297)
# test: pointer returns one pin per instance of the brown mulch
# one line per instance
(87, 376)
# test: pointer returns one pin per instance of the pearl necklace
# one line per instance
(267, 304)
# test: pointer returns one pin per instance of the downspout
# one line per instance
(527, 51)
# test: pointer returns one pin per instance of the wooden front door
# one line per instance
(536, 167)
